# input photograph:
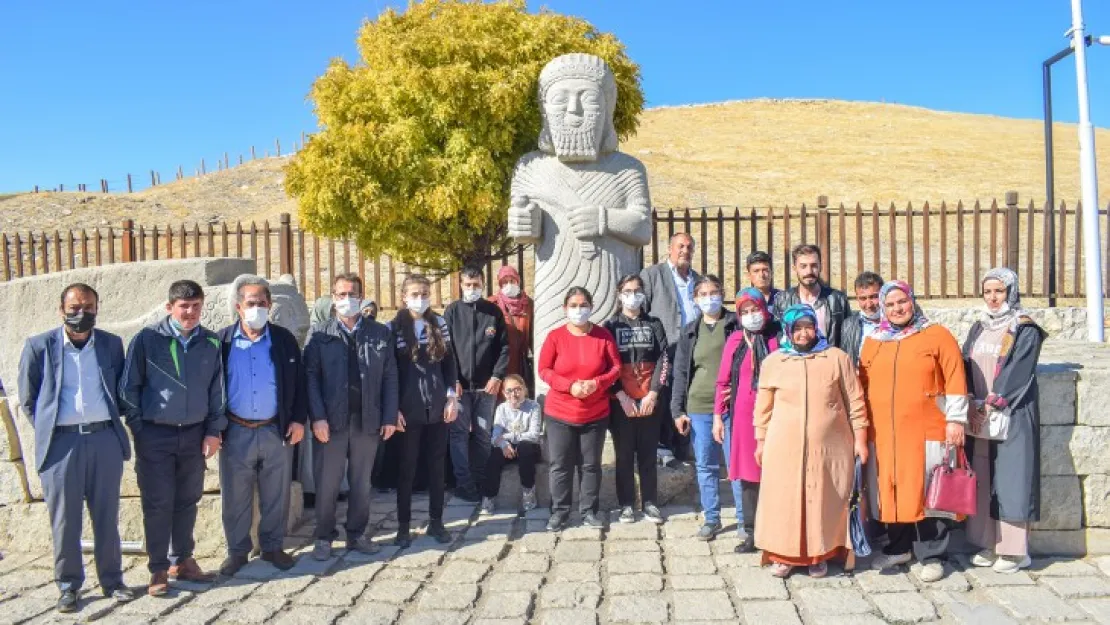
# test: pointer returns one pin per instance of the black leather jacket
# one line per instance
(836, 301)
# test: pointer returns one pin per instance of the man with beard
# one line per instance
(860, 325)
(830, 305)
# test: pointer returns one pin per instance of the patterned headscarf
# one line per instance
(758, 341)
(514, 306)
(888, 331)
(1011, 308)
(791, 317)
(754, 296)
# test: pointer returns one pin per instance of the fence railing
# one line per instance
(941, 250)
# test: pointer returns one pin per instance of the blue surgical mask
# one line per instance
(709, 304)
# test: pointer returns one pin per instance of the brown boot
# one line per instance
(187, 570)
(281, 560)
(159, 584)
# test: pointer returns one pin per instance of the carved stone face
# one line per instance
(573, 110)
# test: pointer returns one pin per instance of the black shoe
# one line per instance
(438, 532)
(557, 521)
(468, 494)
(231, 564)
(121, 594)
(68, 601)
(282, 561)
(747, 545)
(403, 540)
(590, 519)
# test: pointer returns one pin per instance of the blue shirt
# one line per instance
(251, 379)
(82, 399)
(685, 289)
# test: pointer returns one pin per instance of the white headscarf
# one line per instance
(1010, 310)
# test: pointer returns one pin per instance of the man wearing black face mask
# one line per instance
(68, 380)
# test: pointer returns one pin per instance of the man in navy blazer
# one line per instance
(68, 381)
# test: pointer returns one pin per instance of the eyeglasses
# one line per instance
(514, 390)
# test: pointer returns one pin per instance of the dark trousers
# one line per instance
(928, 537)
(351, 451)
(169, 464)
(669, 437)
(573, 447)
(635, 440)
(248, 458)
(422, 445)
(470, 438)
(82, 468)
(527, 455)
(749, 497)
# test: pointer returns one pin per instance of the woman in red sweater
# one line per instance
(580, 363)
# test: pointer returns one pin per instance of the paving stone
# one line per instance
(357, 557)
(576, 572)
(536, 543)
(738, 560)
(190, 615)
(369, 613)
(232, 591)
(408, 575)
(568, 617)
(724, 543)
(690, 566)
(634, 563)
(418, 558)
(695, 582)
(953, 580)
(391, 591)
(835, 578)
(92, 606)
(985, 577)
(330, 594)
(500, 605)
(285, 586)
(1097, 608)
(629, 609)
(578, 551)
(854, 619)
(511, 581)
(633, 531)
(905, 607)
(833, 601)
(463, 573)
(614, 547)
(635, 584)
(777, 612)
(1060, 567)
(307, 565)
(1032, 602)
(752, 583)
(499, 621)
(686, 548)
(875, 582)
(488, 551)
(25, 608)
(527, 563)
(679, 530)
(438, 617)
(713, 605)
(570, 595)
(679, 514)
(489, 531)
(449, 597)
(581, 533)
(257, 609)
(1078, 587)
(350, 573)
(149, 606)
(258, 569)
(968, 608)
(26, 579)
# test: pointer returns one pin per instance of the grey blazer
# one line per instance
(661, 299)
(40, 383)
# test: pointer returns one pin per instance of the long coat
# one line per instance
(806, 412)
(1015, 462)
(736, 379)
(908, 383)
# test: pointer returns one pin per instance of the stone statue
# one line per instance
(583, 204)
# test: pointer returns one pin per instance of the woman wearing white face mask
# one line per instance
(697, 360)
(517, 307)
(634, 420)
(427, 375)
(579, 361)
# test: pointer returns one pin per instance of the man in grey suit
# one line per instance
(67, 386)
(669, 296)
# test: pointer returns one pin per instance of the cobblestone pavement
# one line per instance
(504, 569)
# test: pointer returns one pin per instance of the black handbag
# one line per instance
(857, 519)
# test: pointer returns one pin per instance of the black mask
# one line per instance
(80, 322)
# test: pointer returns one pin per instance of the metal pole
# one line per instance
(1089, 181)
(1049, 191)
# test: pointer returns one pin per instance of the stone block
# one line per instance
(515, 582)
(1061, 503)
(628, 609)
(1096, 500)
(526, 563)
(777, 612)
(833, 601)
(576, 572)
(502, 605)
(568, 617)
(1091, 397)
(13, 482)
(696, 582)
(1078, 587)
(703, 605)
(753, 583)
(1061, 567)
(391, 591)
(1056, 386)
(449, 597)
(690, 566)
(308, 615)
(1097, 608)
(1033, 602)
(463, 573)
(570, 595)
(634, 563)
(890, 581)
(905, 607)
(1091, 542)
(1074, 450)
(578, 551)
(366, 613)
(435, 617)
(634, 584)
(254, 610)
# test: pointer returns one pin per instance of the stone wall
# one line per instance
(1063, 323)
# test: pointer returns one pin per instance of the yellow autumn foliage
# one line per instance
(417, 142)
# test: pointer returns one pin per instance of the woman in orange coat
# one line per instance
(913, 374)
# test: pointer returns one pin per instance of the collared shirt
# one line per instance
(685, 289)
(82, 399)
(343, 326)
(867, 328)
(251, 378)
(184, 340)
(821, 311)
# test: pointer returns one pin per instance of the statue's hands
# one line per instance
(585, 221)
(525, 219)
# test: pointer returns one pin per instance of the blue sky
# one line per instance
(98, 89)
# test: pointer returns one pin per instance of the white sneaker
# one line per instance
(487, 505)
(932, 570)
(885, 561)
(985, 557)
(1011, 564)
(529, 499)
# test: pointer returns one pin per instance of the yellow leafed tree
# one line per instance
(417, 142)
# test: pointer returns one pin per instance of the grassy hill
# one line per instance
(757, 152)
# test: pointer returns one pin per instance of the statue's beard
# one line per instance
(575, 144)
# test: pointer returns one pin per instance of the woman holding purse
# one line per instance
(1000, 356)
(634, 423)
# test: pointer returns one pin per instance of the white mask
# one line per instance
(709, 304)
(632, 301)
(752, 322)
(471, 295)
(579, 316)
(347, 306)
(256, 317)
(418, 304)
(512, 289)
(1002, 311)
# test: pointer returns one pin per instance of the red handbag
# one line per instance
(952, 488)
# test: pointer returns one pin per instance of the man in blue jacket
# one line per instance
(68, 378)
(172, 393)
